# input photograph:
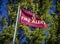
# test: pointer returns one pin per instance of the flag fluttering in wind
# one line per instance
(28, 18)
(31, 19)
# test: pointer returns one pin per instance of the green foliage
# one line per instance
(37, 36)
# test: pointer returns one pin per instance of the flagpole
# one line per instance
(16, 24)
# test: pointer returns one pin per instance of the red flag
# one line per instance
(29, 18)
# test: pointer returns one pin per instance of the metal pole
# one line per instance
(16, 25)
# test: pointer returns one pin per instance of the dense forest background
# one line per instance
(48, 10)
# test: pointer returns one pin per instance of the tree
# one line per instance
(39, 7)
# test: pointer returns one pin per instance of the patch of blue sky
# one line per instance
(4, 12)
(54, 2)
(23, 40)
(4, 2)
(52, 10)
(1, 28)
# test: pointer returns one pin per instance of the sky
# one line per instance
(4, 12)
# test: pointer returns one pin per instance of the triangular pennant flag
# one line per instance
(31, 19)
